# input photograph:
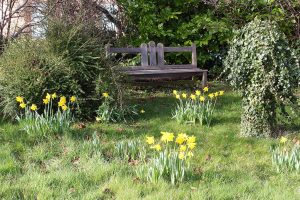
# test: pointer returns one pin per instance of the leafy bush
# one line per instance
(82, 47)
(29, 68)
(50, 121)
(111, 111)
(170, 159)
(70, 60)
(264, 68)
(286, 155)
(196, 107)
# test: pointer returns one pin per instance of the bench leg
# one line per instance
(204, 79)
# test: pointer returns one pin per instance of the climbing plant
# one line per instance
(264, 68)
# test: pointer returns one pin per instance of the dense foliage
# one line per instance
(208, 23)
(30, 68)
(264, 68)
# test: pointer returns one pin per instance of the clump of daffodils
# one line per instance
(110, 111)
(286, 155)
(49, 120)
(171, 157)
(196, 107)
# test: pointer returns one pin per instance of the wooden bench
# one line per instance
(153, 65)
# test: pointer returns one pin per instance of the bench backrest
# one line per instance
(152, 56)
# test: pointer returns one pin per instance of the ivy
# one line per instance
(264, 68)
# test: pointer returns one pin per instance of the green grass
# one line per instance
(80, 164)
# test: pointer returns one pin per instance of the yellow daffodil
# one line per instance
(19, 99)
(191, 145)
(181, 155)
(184, 95)
(198, 93)
(205, 89)
(190, 154)
(175, 92)
(73, 99)
(216, 94)
(33, 107)
(191, 139)
(202, 98)
(48, 96)
(167, 137)
(150, 140)
(177, 96)
(142, 111)
(157, 147)
(45, 101)
(54, 96)
(193, 97)
(211, 95)
(64, 107)
(221, 92)
(180, 138)
(283, 140)
(60, 104)
(182, 147)
(63, 100)
(105, 94)
(23, 105)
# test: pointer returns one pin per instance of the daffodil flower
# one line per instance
(202, 98)
(33, 107)
(193, 97)
(150, 140)
(48, 96)
(23, 105)
(45, 101)
(64, 107)
(73, 99)
(105, 95)
(182, 147)
(181, 155)
(283, 140)
(19, 99)
(54, 96)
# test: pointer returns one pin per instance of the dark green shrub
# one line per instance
(69, 60)
(29, 68)
(81, 47)
(264, 68)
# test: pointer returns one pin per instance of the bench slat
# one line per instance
(124, 50)
(164, 71)
(178, 49)
(162, 67)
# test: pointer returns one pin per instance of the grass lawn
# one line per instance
(80, 164)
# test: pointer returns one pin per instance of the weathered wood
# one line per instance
(178, 49)
(124, 50)
(158, 67)
(160, 54)
(163, 76)
(153, 66)
(144, 55)
(164, 71)
(152, 54)
(204, 79)
(194, 55)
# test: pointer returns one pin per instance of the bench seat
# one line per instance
(163, 74)
(154, 67)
